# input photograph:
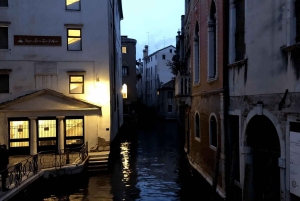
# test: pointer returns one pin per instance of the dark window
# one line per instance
(163, 56)
(73, 4)
(297, 13)
(170, 50)
(197, 126)
(74, 40)
(240, 30)
(3, 37)
(212, 34)
(170, 94)
(125, 70)
(213, 132)
(170, 108)
(76, 84)
(3, 3)
(4, 83)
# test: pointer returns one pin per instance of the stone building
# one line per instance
(203, 54)
(129, 75)
(60, 74)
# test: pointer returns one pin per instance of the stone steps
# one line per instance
(98, 161)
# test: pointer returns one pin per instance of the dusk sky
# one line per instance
(156, 21)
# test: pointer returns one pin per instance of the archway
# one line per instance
(262, 137)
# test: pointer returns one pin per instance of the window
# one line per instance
(124, 49)
(240, 30)
(163, 56)
(74, 40)
(4, 83)
(297, 13)
(73, 5)
(212, 57)
(196, 55)
(125, 70)
(74, 131)
(170, 50)
(76, 84)
(19, 133)
(124, 91)
(170, 108)
(170, 94)
(197, 126)
(3, 3)
(3, 37)
(213, 134)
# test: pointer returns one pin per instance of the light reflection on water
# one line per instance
(146, 165)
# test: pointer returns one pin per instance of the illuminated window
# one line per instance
(74, 40)
(76, 84)
(3, 37)
(47, 132)
(73, 5)
(3, 3)
(74, 131)
(124, 91)
(19, 133)
(124, 49)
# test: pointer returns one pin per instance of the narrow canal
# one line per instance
(146, 164)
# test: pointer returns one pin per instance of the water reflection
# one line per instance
(147, 164)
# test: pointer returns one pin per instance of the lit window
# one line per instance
(74, 131)
(73, 5)
(74, 40)
(213, 132)
(124, 49)
(76, 84)
(3, 37)
(19, 133)
(124, 91)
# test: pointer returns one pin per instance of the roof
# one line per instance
(160, 50)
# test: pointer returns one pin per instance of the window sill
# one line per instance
(5, 50)
(212, 80)
(237, 63)
(213, 147)
(197, 139)
(291, 47)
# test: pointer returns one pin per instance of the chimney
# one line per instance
(145, 51)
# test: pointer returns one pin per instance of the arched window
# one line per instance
(212, 38)
(196, 55)
(197, 126)
(213, 133)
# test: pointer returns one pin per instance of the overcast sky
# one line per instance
(156, 21)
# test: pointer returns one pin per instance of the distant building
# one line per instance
(139, 83)
(166, 105)
(129, 74)
(155, 73)
(60, 74)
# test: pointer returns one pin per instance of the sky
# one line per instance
(151, 22)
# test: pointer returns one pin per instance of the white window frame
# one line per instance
(210, 132)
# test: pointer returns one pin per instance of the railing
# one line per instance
(24, 169)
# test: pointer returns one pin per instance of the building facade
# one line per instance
(264, 105)
(129, 74)
(155, 73)
(166, 105)
(203, 32)
(60, 74)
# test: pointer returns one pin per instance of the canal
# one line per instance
(146, 164)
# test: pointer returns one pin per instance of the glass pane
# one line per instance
(47, 128)
(74, 43)
(76, 79)
(19, 144)
(124, 50)
(73, 4)
(74, 141)
(74, 32)
(74, 127)
(47, 143)
(3, 37)
(76, 88)
(19, 129)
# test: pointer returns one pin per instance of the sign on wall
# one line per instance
(295, 163)
(37, 40)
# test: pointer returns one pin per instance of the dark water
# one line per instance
(147, 164)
